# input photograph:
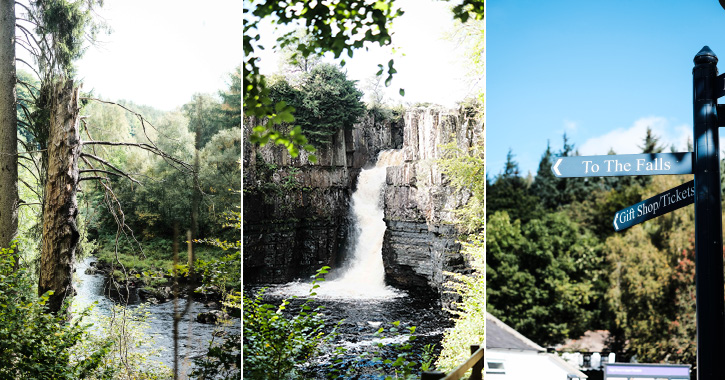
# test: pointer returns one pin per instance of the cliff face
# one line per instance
(420, 240)
(295, 213)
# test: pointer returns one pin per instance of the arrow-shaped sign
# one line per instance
(660, 204)
(623, 164)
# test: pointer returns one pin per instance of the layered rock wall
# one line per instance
(295, 213)
(420, 242)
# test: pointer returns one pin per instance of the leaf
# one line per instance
(402, 92)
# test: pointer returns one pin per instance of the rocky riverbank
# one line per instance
(157, 289)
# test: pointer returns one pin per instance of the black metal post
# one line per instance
(708, 222)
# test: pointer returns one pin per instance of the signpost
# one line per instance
(704, 192)
(623, 164)
(708, 220)
(660, 204)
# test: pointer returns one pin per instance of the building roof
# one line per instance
(500, 335)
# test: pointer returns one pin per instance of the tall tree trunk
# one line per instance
(8, 127)
(60, 233)
(196, 195)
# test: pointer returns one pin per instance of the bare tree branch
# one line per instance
(151, 148)
(106, 163)
(29, 65)
(99, 171)
(92, 178)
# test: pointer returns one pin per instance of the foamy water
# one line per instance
(364, 276)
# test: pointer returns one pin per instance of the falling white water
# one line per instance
(364, 276)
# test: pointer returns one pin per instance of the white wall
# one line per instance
(524, 365)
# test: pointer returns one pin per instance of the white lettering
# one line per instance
(586, 166)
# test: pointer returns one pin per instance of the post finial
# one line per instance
(705, 56)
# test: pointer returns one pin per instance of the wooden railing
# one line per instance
(475, 362)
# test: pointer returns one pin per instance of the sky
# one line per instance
(601, 72)
(160, 53)
(430, 67)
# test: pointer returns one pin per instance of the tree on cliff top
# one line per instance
(325, 102)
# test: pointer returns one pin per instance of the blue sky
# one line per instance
(601, 72)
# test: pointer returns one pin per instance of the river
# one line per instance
(361, 318)
(193, 336)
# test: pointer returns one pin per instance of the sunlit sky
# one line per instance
(601, 72)
(160, 53)
(430, 67)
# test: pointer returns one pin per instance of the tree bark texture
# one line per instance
(8, 127)
(60, 233)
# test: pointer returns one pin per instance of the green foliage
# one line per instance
(466, 172)
(63, 26)
(276, 343)
(652, 284)
(325, 102)
(125, 335)
(231, 108)
(470, 310)
(221, 361)
(340, 28)
(511, 193)
(153, 208)
(541, 275)
(223, 274)
(35, 344)
(331, 102)
(203, 113)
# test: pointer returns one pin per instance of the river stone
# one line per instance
(211, 316)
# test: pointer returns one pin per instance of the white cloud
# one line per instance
(570, 126)
(629, 140)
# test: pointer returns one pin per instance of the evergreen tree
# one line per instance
(231, 108)
(325, 102)
(510, 193)
(651, 143)
(544, 185)
(569, 190)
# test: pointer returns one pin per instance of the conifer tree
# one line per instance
(510, 193)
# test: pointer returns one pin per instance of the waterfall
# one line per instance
(365, 274)
(363, 277)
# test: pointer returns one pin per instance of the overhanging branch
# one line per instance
(108, 164)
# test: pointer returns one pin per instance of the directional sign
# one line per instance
(658, 205)
(624, 164)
